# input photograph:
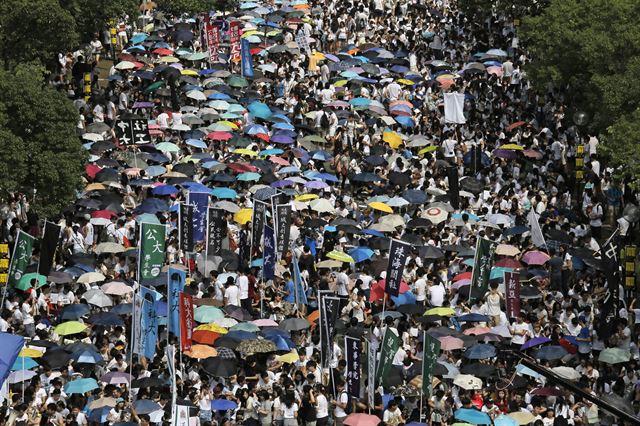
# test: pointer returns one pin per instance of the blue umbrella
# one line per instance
(282, 343)
(240, 335)
(81, 386)
(86, 357)
(534, 342)
(407, 298)
(223, 405)
(253, 129)
(473, 318)
(473, 416)
(360, 254)
(224, 193)
(147, 218)
(284, 139)
(405, 121)
(153, 171)
(219, 96)
(152, 205)
(260, 110)
(195, 187)
(372, 232)
(504, 420)
(146, 406)
(480, 351)
(196, 143)
(326, 177)
(107, 319)
(282, 183)
(99, 415)
(165, 190)
(289, 169)
(272, 151)
(75, 311)
(516, 230)
(248, 176)
(415, 196)
(322, 155)
(366, 177)
(23, 363)
(360, 101)
(550, 352)
(222, 177)
(122, 309)
(275, 332)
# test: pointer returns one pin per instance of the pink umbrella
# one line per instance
(450, 343)
(361, 419)
(477, 330)
(265, 323)
(461, 283)
(535, 257)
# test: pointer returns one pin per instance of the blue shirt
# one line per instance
(290, 288)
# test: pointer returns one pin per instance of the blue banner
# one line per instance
(10, 347)
(301, 295)
(200, 201)
(247, 61)
(147, 325)
(269, 253)
(177, 279)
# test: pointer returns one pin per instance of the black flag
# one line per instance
(283, 228)
(185, 231)
(216, 231)
(48, 248)
(398, 252)
(257, 224)
(611, 302)
(454, 188)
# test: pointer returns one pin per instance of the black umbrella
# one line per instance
(219, 367)
(343, 221)
(348, 229)
(108, 175)
(365, 177)
(294, 324)
(314, 223)
(237, 313)
(398, 178)
(147, 382)
(226, 342)
(561, 236)
(410, 309)
(471, 185)
(414, 239)
(419, 222)
(479, 370)
(430, 252)
(56, 358)
(188, 169)
(415, 196)
(80, 346)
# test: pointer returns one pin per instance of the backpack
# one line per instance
(349, 408)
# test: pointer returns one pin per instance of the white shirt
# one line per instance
(343, 399)
(322, 406)
(436, 294)
(243, 284)
(420, 288)
(232, 294)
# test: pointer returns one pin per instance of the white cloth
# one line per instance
(454, 108)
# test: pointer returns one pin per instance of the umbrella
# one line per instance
(69, 327)
(75, 311)
(206, 314)
(98, 298)
(535, 257)
(361, 419)
(614, 356)
(450, 343)
(534, 342)
(504, 420)
(20, 376)
(91, 277)
(550, 352)
(480, 370)
(219, 367)
(256, 346)
(294, 324)
(201, 352)
(27, 281)
(81, 386)
(480, 351)
(472, 416)
(116, 378)
(147, 382)
(87, 357)
(566, 372)
(468, 382)
(340, 256)
(117, 288)
(223, 405)
(23, 363)
(146, 406)
(522, 417)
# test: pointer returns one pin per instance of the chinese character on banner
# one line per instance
(234, 36)
(213, 42)
(186, 321)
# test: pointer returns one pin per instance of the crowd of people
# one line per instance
(352, 132)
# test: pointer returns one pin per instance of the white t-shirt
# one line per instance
(518, 339)
(322, 406)
(436, 294)
(420, 288)
(342, 399)
(243, 284)
(232, 294)
(289, 412)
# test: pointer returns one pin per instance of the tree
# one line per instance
(41, 150)
(34, 30)
(192, 7)
(92, 16)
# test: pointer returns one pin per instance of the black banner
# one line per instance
(216, 231)
(133, 132)
(329, 310)
(398, 252)
(185, 230)
(454, 187)
(48, 247)
(353, 349)
(611, 302)
(257, 224)
(283, 229)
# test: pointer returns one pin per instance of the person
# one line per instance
(289, 410)
(231, 293)
(341, 404)
(392, 415)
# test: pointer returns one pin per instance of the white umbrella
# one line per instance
(382, 227)
(125, 65)
(117, 288)
(109, 247)
(95, 137)
(397, 202)
(91, 277)
(225, 322)
(322, 205)
(226, 205)
(468, 382)
(20, 376)
(436, 215)
(566, 373)
(98, 298)
(394, 220)
(100, 221)
(197, 95)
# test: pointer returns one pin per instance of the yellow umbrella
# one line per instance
(94, 187)
(273, 33)
(169, 59)
(289, 358)
(212, 327)
(340, 256)
(201, 352)
(406, 82)
(189, 72)
(233, 125)
(249, 33)
(423, 151)
(243, 216)
(392, 138)
(318, 56)
(444, 312)
(245, 151)
(522, 417)
(306, 197)
(30, 353)
(377, 205)
(340, 83)
(512, 146)
(70, 327)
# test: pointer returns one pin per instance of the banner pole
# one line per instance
(424, 341)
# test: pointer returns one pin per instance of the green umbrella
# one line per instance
(245, 326)
(237, 81)
(206, 314)
(314, 138)
(153, 87)
(167, 147)
(614, 356)
(69, 327)
(25, 282)
(147, 218)
(198, 56)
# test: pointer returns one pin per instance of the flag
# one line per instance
(283, 228)
(170, 352)
(185, 230)
(213, 42)
(10, 347)
(536, 232)
(429, 358)
(21, 257)
(454, 108)
(247, 61)
(300, 294)
(269, 253)
(512, 285)
(329, 309)
(454, 187)
(352, 350)
(200, 201)
(611, 303)
(177, 278)
(371, 373)
(216, 231)
(257, 224)
(390, 345)
(398, 252)
(483, 262)
(186, 321)
(48, 248)
(152, 249)
(234, 39)
(149, 332)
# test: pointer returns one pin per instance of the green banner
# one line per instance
(152, 251)
(21, 257)
(390, 345)
(483, 262)
(429, 358)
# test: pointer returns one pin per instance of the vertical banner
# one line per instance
(170, 352)
(216, 231)
(200, 201)
(21, 257)
(138, 323)
(177, 279)
(454, 187)
(213, 42)
(48, 248)
(185, 230)
(398, 252)
(483, 262)
(371, 373)
(182, 416)
(247, 61)
(257, 224)
(611, 302)
(186, 321)
(430, 356)
(512, 286)
(329, 309)
(149, 333)
(390, 345)
(269, 259)
(283, 228)
(301, 295)
(352, 350)
(536, 232)
(10, 347)
(234, 40)
(152, 249)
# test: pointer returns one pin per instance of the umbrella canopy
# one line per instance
(81, 386)
(361, 419)
(473, 416)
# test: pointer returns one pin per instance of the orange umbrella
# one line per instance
(313, 316)
(205, 336)
(201, 352)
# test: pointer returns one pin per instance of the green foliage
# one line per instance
(192, 7)
(621, 145)
(92, 16)
(34, 31)
(40, 147)
(479, 10)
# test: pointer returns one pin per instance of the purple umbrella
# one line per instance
(284, 139)
(534, 342)
(282, 183)
(142, 105)
(505, 153)
(116, 378)
(316, 184)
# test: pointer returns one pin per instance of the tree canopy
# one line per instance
(92, 16)
(191, 7)
(40, 147)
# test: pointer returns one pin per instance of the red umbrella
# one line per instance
(278, 160)
(205, 336)
(242, 168)
(263, 136)
(162, 51)
(462, 276)
(546, 392)
(104, 214)
(535, 257)
(219, 136)
(532, 153)
(92, 170)
(377, 290)
(509, 263)
(515, 125)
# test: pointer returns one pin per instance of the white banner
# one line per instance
(454, 108)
